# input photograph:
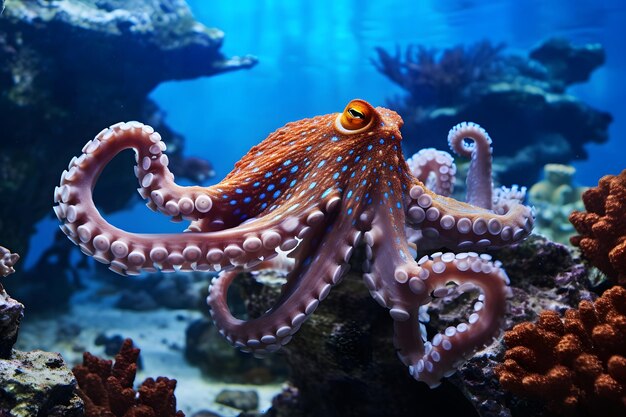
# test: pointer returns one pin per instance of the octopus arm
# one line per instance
(156, 182)
(307, 285)
(404, 286)
(446, 222)
(127, 253)
(478, 181)
(450, 275)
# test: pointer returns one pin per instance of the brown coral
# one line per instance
(106, 388)
(577, 364)
(602, 229)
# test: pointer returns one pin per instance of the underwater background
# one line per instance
(330, 45)
(279, 62)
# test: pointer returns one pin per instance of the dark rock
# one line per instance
(207, 349)
(136, 300)
(70, 68)
(68, 331)
(175, 291)
(38, 384)
(112, 344)
(241, 400)
(205, 413)
(567, 63)
(11, 313)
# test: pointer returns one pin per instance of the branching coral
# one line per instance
(106, 388)
(602, 229)
(576, 364)
(438, 77)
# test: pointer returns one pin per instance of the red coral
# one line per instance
(106, 388)
(602, 229)
(577, 365)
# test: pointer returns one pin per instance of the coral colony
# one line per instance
(316, 188)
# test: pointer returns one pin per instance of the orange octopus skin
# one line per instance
(315, 188)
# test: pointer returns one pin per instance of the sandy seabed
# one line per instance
(160, 334)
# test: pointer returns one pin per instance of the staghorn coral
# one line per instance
(577, 364)
(106, 388)
(602, 228)
(438, 77)
(554, 198)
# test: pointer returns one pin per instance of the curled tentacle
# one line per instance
(435, 169)
(431, 360)
(479, 182)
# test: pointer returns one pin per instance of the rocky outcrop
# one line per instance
(38, 383)
(70, 67)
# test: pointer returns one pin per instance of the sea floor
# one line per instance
(160, 334)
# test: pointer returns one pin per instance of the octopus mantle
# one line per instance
(315, 189)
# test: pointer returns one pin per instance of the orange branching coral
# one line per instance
(577, 365)
(602, 229)
(106, 388)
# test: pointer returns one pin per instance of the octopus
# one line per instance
(317, 190)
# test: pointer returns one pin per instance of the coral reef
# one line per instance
(106, 388)
(55, 88)
(555, 198)
(318, 187)
(602, 228)
(577, 365)
(482, 83)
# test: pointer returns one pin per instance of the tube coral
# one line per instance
(602, 228)
(577, 364)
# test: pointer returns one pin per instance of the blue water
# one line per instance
(314, 57)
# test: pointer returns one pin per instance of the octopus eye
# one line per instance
(356, 117)
(355, 113)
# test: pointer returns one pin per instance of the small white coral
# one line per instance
(7, 260)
